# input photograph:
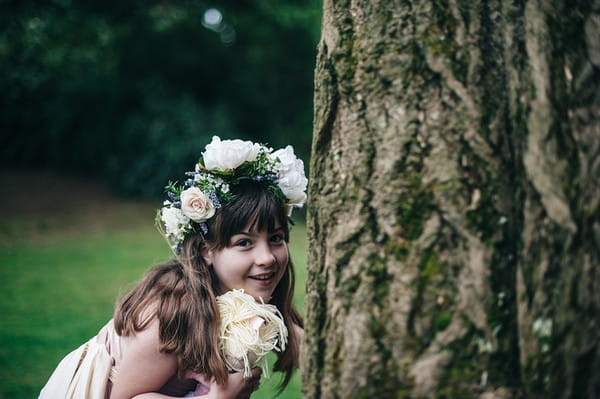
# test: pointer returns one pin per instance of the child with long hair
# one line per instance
(228, 225)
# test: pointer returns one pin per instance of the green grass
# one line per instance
(59, 284)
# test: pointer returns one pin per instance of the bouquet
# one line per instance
(249, 331)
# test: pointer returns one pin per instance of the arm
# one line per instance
(237, 387)
(143, 369)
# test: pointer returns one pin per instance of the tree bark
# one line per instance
(454, 221)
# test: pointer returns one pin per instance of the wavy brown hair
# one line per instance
(181, 293)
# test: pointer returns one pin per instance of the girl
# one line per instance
(229, 228)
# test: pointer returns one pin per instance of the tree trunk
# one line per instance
(454, 221)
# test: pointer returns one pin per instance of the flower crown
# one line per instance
(225, 163)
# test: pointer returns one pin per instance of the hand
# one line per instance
(237, 386)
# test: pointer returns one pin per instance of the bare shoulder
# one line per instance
(145, 342)
(143, 367)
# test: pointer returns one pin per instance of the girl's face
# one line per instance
(254, 261)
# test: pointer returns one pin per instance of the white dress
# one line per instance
(88, 371)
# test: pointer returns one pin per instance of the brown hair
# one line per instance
(181, 292)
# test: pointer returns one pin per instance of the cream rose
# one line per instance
(196, 205)
(229, 154)
(292, 180)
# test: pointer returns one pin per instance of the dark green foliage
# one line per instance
(133, 91)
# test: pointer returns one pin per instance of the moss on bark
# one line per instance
(453, 221)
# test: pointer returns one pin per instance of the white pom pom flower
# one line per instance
(249, 331)
(175, 223)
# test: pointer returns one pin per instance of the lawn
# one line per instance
(64, 260)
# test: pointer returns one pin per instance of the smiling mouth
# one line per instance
(263, 277)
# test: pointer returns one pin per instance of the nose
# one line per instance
(264, 255)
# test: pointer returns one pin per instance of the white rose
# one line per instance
(292, 180)
(287, 159)
(229, 154)
(174, 221)
(196, 205)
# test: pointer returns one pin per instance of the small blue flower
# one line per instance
(204, 228)
(172, 196)
(215, 199)
(269, 177)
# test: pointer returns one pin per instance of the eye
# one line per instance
(277, 238)
(243, 243)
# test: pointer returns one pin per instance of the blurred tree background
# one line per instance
(128, 92)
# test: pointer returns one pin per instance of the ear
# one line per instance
(207, 256)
